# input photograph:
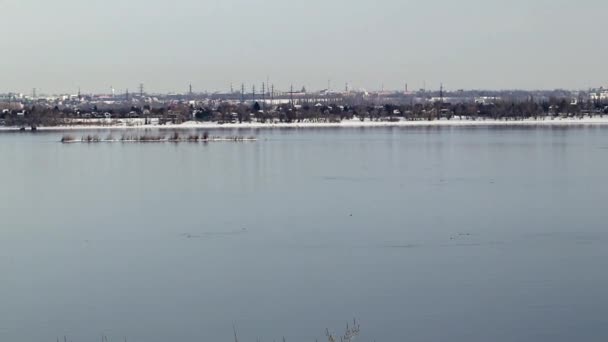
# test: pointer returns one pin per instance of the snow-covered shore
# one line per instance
(136, 124)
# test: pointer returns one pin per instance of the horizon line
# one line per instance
(124, 91)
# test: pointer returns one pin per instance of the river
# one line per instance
(421, 233)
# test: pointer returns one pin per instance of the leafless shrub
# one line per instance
(150, 138)
(174, 137)
(67, 138)
(91, 138)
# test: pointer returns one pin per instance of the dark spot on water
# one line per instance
(190, 236)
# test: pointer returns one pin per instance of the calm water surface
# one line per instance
(422, 234)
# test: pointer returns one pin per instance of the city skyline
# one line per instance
(249, 89)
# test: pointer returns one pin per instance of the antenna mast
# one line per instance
(264, 96)
(272, 94)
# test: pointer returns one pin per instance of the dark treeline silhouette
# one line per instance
(231, 112)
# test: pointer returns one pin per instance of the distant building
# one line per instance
(599, 95)
(11, 106)
(486, 99)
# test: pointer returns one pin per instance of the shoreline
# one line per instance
(134, 124)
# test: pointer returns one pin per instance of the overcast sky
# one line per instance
(60, 45)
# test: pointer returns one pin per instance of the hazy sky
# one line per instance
(59, 45)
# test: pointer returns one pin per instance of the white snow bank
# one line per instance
(345, 123)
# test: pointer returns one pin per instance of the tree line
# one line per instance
(231, 112)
